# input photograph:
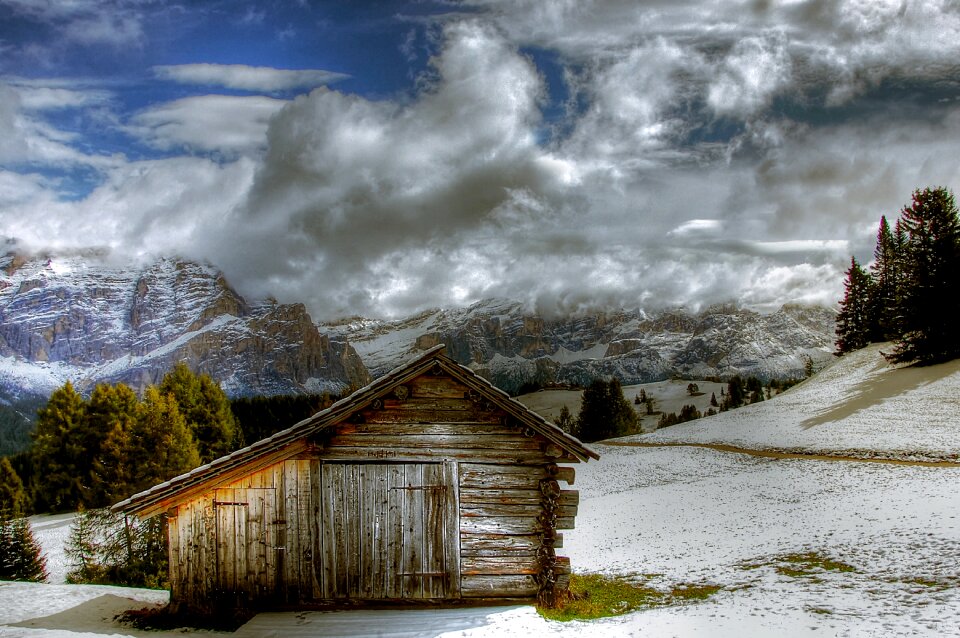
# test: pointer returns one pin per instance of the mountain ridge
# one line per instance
(514, 346)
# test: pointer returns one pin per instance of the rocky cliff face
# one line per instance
(74, 318)
(511, 346)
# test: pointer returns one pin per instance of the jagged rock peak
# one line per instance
(86, 319)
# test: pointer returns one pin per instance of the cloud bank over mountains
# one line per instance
(567, 154)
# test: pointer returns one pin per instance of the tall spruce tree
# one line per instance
(605, 412)
(58, 452)
(930, 300)
(112, 411)
(20, 555)
(854, 322)
(885, 298)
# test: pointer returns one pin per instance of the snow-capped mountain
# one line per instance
(73, 317)
(512, 346)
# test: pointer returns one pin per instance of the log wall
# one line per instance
(431, 493)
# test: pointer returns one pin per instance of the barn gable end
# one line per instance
(428, 485)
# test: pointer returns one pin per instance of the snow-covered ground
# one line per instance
(857, 406)
(693, 515)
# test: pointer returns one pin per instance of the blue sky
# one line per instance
(378, 158)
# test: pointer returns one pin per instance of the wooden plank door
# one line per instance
(245, 541)
(389, 531)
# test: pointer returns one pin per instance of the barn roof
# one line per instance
(276, 447)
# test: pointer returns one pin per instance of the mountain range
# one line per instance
(514, 347)
(81, 318)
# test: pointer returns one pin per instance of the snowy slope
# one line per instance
(858, 406)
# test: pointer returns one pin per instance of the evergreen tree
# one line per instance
(206, 409)
(111, 412)
(20, 557)
(82, 548)
(13, 497)
(854, 321)
(58, 451)
(604, 412)
(667, 419)
(565, 420)
(754, 389)
(886, 291)
(648, 402)
(713, 399)
(930, 302)
(736, 394)
(113, 469)
(688, 413)
(161, 443)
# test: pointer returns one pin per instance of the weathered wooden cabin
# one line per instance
(428, 485)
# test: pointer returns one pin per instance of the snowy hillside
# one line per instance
(512, 345)
(81, 318)
(858, 406)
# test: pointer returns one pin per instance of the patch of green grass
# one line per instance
(937, 584)
(802, 565)
(820, 610)
(599, 596)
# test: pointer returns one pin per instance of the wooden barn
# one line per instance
(427, 486)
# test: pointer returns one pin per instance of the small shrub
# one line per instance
(110, 549)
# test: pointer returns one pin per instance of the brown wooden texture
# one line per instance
(474, 544)
(451, 522)
(496, 565)
(414, 455)
(485, 510)
(499, 586)
(412, 565)
(384, 531)
(485, 475)
(393, 556)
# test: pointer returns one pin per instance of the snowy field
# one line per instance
(857, 406)
(773, 533)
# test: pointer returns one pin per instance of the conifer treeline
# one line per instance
(911, 293)
(93, 452)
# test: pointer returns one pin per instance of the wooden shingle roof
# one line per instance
(290, 441)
